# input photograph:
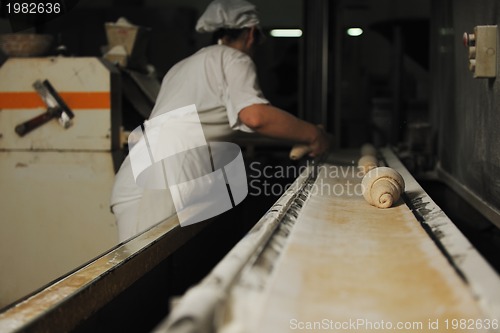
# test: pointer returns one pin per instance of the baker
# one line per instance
(220, 80)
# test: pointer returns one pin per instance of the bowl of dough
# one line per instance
(25, 44)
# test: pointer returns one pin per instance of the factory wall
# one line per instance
(466, 111)
(280, 13)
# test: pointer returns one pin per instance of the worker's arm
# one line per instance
(271, 121)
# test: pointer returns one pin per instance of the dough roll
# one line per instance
(382, 187)
(367, 162)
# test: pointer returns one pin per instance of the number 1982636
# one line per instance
(471, 324)
(33, 8)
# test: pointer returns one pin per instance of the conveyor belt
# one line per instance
(347, 261)
(344, 265)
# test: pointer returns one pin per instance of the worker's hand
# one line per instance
(321, 143)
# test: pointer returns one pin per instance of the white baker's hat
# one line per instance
(228, 14)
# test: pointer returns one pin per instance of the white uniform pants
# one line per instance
(134, 217)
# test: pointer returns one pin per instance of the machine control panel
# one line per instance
(482, 51)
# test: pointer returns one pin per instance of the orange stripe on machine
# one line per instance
(74, 100)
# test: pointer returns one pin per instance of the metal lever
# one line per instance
(56, 108)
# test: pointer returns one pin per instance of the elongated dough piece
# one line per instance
(382, 187)
(298, 151)
(368, 149)
(367, 162)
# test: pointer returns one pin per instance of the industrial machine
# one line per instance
(59, 147)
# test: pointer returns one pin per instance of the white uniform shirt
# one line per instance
(220, 81)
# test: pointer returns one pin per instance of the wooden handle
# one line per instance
(299, 151)
(28, 126)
